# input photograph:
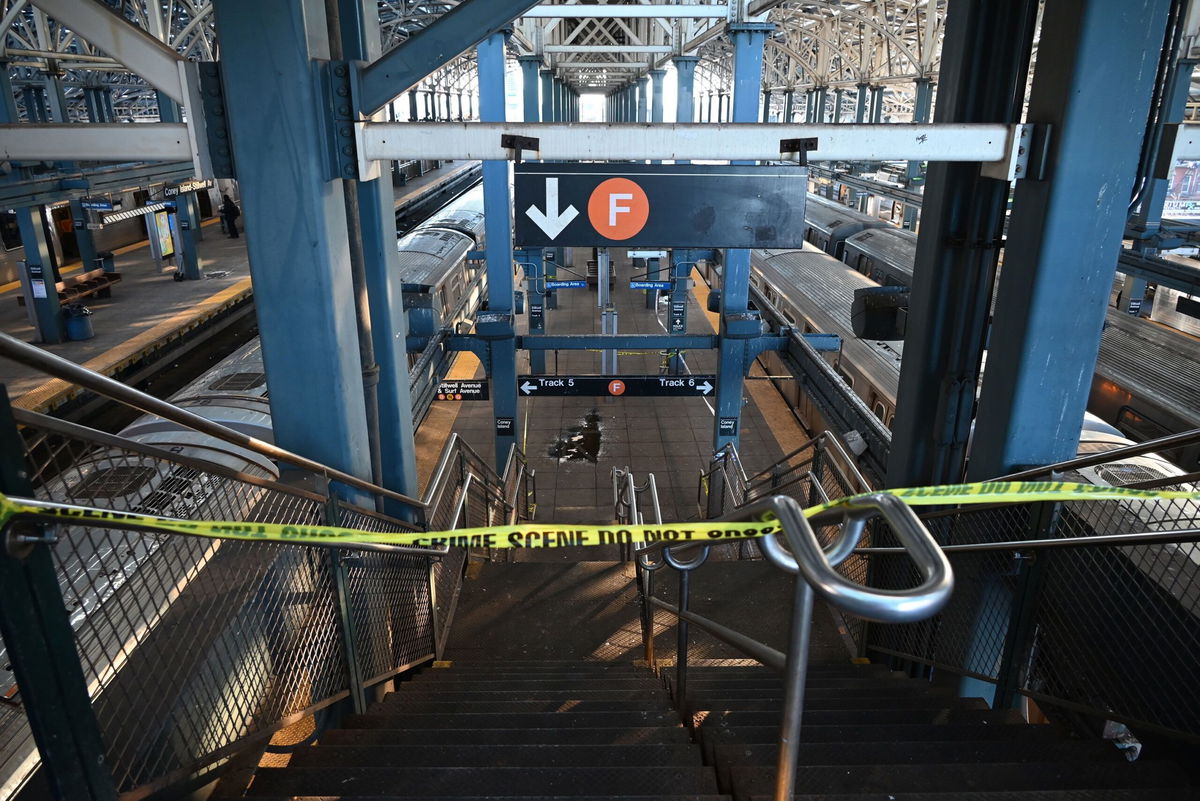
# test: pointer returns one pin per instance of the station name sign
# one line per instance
(175, 190)
(463, 391)
(659, 205)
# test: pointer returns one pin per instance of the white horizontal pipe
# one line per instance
(699, 142)
(151, 141)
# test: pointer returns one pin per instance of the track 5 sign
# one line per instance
(660, 205)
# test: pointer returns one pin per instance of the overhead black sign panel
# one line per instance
(688, 386)
(653, 205)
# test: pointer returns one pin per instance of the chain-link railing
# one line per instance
(1088, 608)
(190, 650)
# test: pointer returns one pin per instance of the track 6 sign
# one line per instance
(653, 205)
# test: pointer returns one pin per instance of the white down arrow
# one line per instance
(552, 222)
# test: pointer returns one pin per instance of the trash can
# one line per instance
(106, 262)
(79, 322)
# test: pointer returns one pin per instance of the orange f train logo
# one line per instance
(618, 209)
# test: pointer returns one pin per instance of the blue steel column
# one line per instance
(529, 86)
(1065, 231)
(1147, 219)
(822, 95)
(391, 410)
(877, 104)
(736, 324)
(766, 104)
(788, 100)
(985, 59)
(297, 220)
(497, 208)
(860, 102)
(921, 108)
(837, 105)
(643, 99)
(547, 96)
(187, 223)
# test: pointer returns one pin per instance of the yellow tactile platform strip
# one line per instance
(56, 392)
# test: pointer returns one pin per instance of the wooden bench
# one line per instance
(72, 289)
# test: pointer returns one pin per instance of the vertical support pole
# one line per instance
(766, 104)
(656, 98)
(1065, 230)
(822, 95)
(41, 647)
(547, 96)
(186, 251)
(385, 365)
(681, 641)
(1147, 219)
(497, 210)
(643, 99)
(35, 103)
(38, 278)
(107, 94)
(685, 81)
(299, 258)
(789, 98)
(985, 59)
(737, 323)
(531, 261)
(94, 103)
(795, 674)
(877, 104)
(682, 262)
(412, 105)
(85, 242)
(56, 97)
(355, 680)
(860, 102)
(921, 109)
(837, 105)
(529, 86)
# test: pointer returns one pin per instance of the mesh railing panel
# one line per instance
(1110, 632)
(447, 582)
(189, 646)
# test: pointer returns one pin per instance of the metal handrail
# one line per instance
(816, 566)
(61, 368)
(1133, 538)
(1140, 449)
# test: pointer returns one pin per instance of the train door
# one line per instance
(64, 227)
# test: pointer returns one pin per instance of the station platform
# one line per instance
(147, 311)
(574, 443)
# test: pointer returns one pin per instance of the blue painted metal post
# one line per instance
(529, 86)
(40, 295)
(921, 108)
(789, 97)
(497, 209)
(643, 104)
(860, 102)
(412, 106)
(547, 96)
(94, 103)
(390, 411)
(737, 324)
(85, 242)
(298, 254)
(766, 104)
(837, 105)
(822, 97)
(685, 80)
(1065, 231)
(1147, 219)
(682, 262)
(187, 254)
(877, 104)
(35, 103)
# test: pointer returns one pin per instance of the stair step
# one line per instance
(515, 720)
(496, 756)
(883, 693)
(441, 782)
(398, 705)
(523, 667)
(757, 671)
(897, 752)
(836, 702)
(533, 691)
(852, 717)
(1179, 794)
(656, 797)
(646, 735)
(715, 737)
(458, 684)
(813, 682)
(942, 777)
(534, 675)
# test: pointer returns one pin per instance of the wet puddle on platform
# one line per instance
(579, 443)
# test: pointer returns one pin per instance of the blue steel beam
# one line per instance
(547, 96)
(296, 222)
(1065, 231)
(736, 324)
(376, 222)
(529, 86)
(986, 55)
(186, 250)
(456, 31)
(497, 210)
(617, 341)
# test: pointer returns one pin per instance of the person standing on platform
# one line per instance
(229, 214)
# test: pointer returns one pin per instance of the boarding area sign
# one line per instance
(659, 205)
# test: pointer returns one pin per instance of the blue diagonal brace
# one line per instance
(459, 29)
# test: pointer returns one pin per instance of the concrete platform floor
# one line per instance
(670, 437)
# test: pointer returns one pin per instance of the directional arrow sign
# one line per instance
(652, 206)
(552, 222)
(686, 386)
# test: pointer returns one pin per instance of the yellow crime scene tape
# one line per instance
(532, 535)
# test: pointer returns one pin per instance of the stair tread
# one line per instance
(826, 717)
(831, 703)
(404, 706)
(1099, 794)
(954, 777)
(473, 720)
(498, 756)
(527, 694)
(438, 782)
(655, 797)
(500, 736)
